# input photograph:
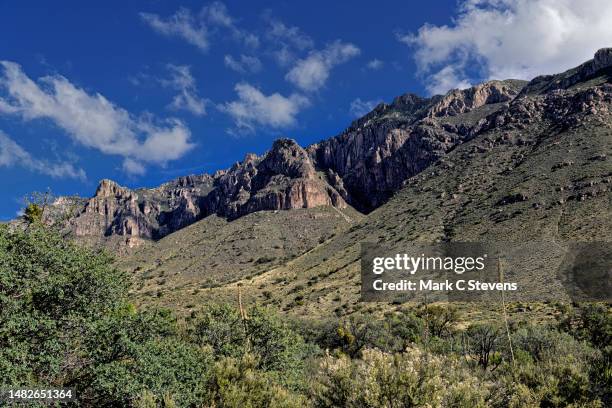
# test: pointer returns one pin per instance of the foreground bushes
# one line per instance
(410, 379)
(65, 322)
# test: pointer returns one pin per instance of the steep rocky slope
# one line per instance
(395, 141)
(214, 252)
(535, 168)
(135, 214)
(504, 123)
(363, 166)
(282, 179)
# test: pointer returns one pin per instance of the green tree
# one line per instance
(51, 291)
(263, 333)
(33, 213)
(237, 383)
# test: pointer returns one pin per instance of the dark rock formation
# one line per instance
(394, 142)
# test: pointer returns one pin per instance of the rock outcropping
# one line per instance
(396, 141)
(285, 178)
(143, 213)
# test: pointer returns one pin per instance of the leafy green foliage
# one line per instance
(65, 321)
(166, 366)
(33, 213)
(409, 379)
(51, 291)
(262, 333)
(237, 383)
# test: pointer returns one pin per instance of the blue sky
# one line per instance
(144, 91)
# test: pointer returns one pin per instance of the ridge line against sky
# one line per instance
(162, 87)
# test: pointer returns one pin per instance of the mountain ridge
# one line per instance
(536, 168)
(362, 167)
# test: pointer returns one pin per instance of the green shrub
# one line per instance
(51, 291)
(33, 213)
(438, 319)
(262, 333)
(484, 342)
(168, 368)
(237, 383)
(410, 379)
(592, 322)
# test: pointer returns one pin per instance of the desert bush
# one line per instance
(392, 333)
(592, 322)
(237, 383)
(553, 383)
(484, 342)
(543, 343)
(410, 379)
(168, 368)
(551, 369)
(438, 319)
(278, 348)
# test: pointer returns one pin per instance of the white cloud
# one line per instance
(91, 119)
(311, 73)
(11, 154)
(187, 99)
(359, 107)
(133, 167)
(445, 79)
(197, 28)
(513, 38)
(375, 64)
(244, 64)
(287, 41)
(253, 108)
(217, 14)
(180, 24)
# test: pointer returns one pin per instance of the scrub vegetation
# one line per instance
(66, 321)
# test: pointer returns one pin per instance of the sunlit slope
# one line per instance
(532, 180)
(214, 252)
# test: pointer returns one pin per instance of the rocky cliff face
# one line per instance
(378, 152)
(143, 213)
(364, 166)
(285, 178)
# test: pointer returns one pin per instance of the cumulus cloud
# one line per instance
(90, 119)
(312, 72)
(181, 24)
(511, 39)
(243, 64)
(360, 107)
(375, 64)
(287, 41)
(11, 154)
(253, 108)
(187, 99)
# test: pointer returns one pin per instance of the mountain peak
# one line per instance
(107, 188)
(600, 67)
(459, 101)
(287, 157)
(603, 58)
